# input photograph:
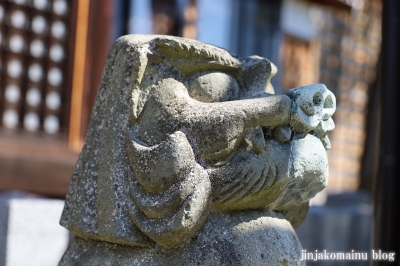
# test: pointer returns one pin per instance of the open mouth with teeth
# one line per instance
(324, 138)
(286, 133)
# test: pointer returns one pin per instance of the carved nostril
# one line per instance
(317, 99)
(329, 106)
(328, 103)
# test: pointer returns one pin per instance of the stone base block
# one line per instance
(239, 238)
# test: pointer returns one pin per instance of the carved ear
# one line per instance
(256, 74)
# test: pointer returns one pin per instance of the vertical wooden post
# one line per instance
(387, 182)
(75, 140)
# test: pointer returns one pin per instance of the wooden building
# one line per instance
(52, 54)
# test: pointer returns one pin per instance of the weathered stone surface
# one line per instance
(224, 240)
(183, 136)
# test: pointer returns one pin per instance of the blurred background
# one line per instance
(52, 53)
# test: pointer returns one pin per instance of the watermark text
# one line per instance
(352, 255)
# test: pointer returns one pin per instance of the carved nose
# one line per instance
(327, 101)
(329, 106)
(316, 100)
(312, 105)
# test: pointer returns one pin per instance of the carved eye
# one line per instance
(214, 87)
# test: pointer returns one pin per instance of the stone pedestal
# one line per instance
(238, 238)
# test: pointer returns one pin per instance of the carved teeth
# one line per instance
(284, 134)
(326, 142)
(324, 127)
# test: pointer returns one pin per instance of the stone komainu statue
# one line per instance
(191, 159)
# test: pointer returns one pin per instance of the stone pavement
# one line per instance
(30, 233)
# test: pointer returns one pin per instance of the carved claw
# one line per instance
(170, 191)
(157, 168)
(177, 228)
